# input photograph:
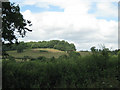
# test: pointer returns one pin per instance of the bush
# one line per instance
(26, 58)
(20, 49)
(93, 71)
(41, 58)
(43, 51)
(11, 58)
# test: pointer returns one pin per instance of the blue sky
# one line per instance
(36, 9)
(84, 24)
(94, 9)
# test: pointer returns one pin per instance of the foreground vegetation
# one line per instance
(97, 70)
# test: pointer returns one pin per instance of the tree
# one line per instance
(13, 21)
(93, 49)
(20, 48)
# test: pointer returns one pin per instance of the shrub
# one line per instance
(11, 58)
(43, 51)
(41, 58)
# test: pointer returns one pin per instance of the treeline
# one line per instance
(97, 70)
(56, 44)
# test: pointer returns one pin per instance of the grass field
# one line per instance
(47, 52)
(34, 53)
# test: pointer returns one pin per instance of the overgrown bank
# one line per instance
(99, 70)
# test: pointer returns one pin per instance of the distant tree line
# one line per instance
(112, 52)
(19, 47)
(56, 44)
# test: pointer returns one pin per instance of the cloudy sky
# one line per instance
(85, 23)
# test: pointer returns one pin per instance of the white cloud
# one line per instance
(74, 25)
(106, 9)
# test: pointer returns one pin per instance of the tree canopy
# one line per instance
(13, 22)
(56, 44)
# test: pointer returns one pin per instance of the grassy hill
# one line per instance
(47, 52)
(35, 53)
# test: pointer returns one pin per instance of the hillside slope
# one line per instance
(35, 53)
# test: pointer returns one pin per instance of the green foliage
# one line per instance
(9, 47)
(11, 58)
(73, 53)
(93, 49)
(68, 71)
(42, 58)
(25, 58)
(118, 75)
(13, 21)
(56, 44)
(43, 51)
(19, 49)
(64, 46)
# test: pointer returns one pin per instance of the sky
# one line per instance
(85, 23)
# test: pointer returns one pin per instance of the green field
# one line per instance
(47, 52)
(35, 53)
